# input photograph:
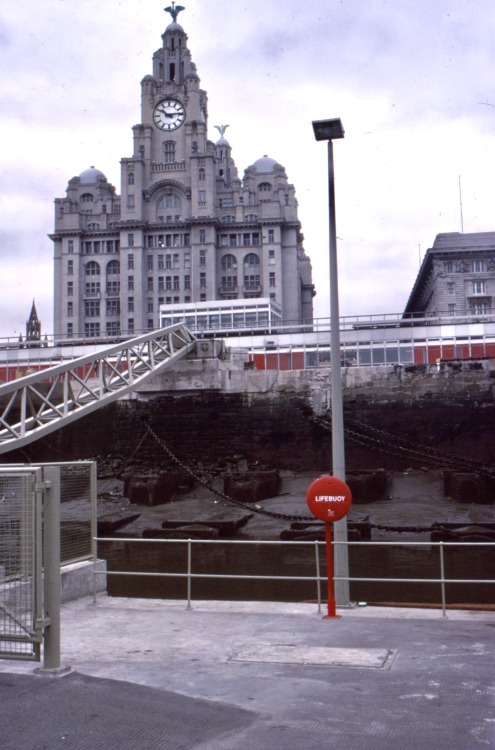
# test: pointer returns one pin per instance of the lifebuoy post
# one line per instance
(329, 499)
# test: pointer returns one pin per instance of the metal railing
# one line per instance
(189, 574)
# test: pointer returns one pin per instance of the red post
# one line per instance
(331, 609)
(329, 499)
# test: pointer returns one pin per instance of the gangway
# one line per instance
(38, 404)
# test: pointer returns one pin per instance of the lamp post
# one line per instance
(328, 130)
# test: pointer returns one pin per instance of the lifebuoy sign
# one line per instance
(329, 499)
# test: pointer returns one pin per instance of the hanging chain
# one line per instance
(245, 506)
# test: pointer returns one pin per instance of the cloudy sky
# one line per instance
(412, 80)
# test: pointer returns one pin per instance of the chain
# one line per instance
(245, 506)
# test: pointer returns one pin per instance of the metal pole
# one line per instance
(341, 554)
(52, 583)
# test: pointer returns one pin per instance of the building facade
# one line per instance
(457, 276)
(185, 228)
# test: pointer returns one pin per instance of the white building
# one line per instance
(185, 229)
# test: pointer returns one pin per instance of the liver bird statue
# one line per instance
(174, 10)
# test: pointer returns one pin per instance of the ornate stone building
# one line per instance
(185, 228)
(457, 276)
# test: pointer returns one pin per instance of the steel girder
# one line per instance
(35, 405)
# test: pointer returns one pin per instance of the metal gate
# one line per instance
(21, 621)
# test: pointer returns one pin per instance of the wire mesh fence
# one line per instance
(19, 573)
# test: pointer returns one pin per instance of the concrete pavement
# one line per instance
(151, 674)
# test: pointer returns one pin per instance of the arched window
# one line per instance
(228, 219)
(92, 268)
(113, 268)
(251, 263)
(201, 174)
(169, 152)
(264, 187)
(130, 178)
(86, 197)
(169, 201)
(229, 263)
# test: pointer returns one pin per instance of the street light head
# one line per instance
(328, 130)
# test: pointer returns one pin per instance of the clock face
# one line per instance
(169, 114)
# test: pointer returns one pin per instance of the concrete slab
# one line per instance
(269, 653)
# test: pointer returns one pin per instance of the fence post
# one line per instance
(318, 584)
(442, 579)
(52, 582)
(189, 572)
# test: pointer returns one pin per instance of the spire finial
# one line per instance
(174, 10)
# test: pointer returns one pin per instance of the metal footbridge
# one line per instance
(38, 404)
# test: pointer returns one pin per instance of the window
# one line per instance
(150, 262)
(202, 235)
(176, 260)
(150, 305)
(70, 246)
(202, 197)
(92, 268)
(92, 308)
(176, 285)
(170, 200)
(271, 235)
(201, 174)
(130, 325)
(130, 283)
(130, 202)
(70, 267)
(202, 280)
(450, 287)
(479, 287)
(478, 266)
(70, 309)
(92, 289)
(86, 198)
(187, 260)
(130, 304)
(130, 261)
(202, 257)
(70, 288)
(168, 283)
(229, 262)
(113, 328)
(169, 152)
(264, 187)
(271, 277)
(449, 267)
(130, 178)
(251, 262)
(187, 282)
(168, 262)
(70, 329)
(113, 268)
(113, 307)
(160, 263)
(481, 308)
(113, 288)
(451, 308)
(150, 283)
(130, 240)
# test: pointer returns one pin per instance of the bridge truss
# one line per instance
(38, 404)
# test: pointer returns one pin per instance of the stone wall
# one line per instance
(272, 419)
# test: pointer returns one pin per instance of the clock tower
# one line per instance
(185, 228)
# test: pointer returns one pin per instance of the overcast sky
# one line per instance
(412, 80)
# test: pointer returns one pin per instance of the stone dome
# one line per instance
(91, 176)
(265, 165)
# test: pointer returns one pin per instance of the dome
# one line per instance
(222, 142)
(91, 176)
(265, 165)
(174, 26)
